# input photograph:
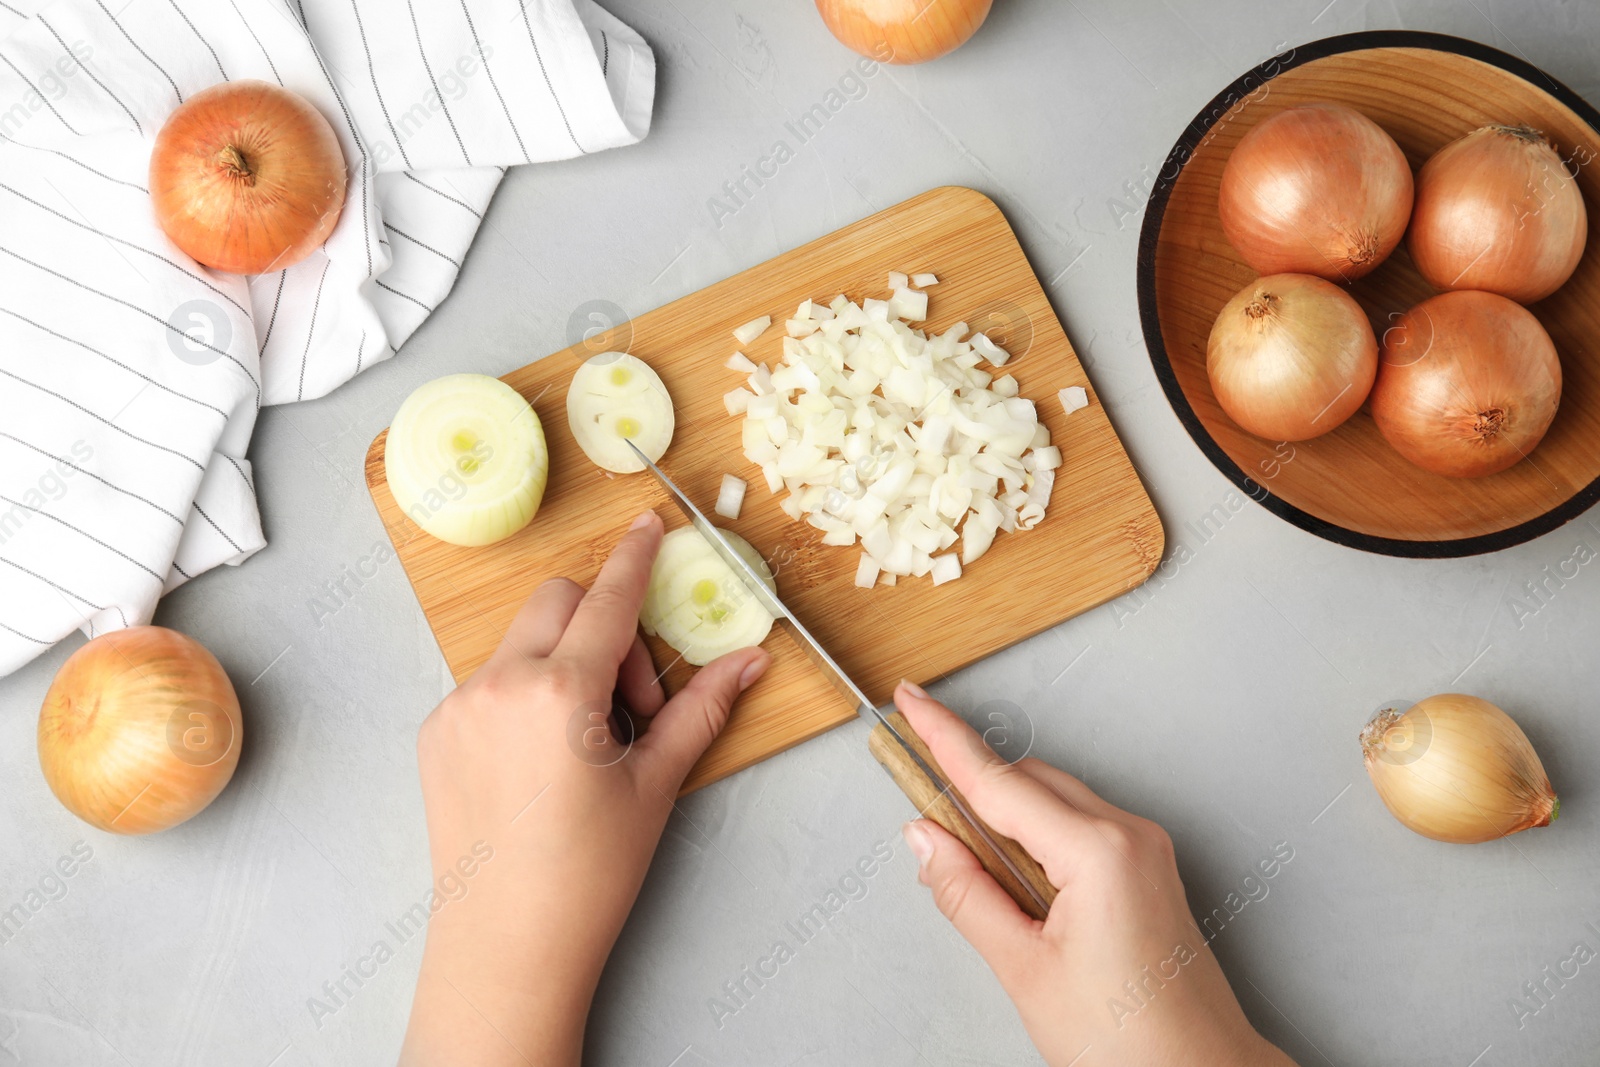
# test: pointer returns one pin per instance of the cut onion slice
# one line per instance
(616, 398)
(466, 459)
(697, 604)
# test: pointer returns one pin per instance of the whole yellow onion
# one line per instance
(140, 730)
(903, 31)
(1291, 356)
(1456, 768)
(1499, 211)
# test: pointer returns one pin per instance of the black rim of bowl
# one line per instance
(1155, 213)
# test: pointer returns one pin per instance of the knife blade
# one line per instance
(894, 743)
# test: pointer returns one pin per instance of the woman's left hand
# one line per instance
(540, 824)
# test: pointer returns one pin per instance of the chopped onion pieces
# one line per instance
(1073, 398)
(737, 401)
(752, 329)
(922, 281)
(882, 435)
(909, 304)
(731, 497)
(989, 350)
(946, 568)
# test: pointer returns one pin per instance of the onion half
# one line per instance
(1316, 189)
(1497, 210)
(1291, 356)
(1468, 384)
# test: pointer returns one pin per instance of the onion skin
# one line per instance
(1468, 384)
(903, 31)
(140, 730)
(1456, 768)
(247, 177)
(1291, 356)
(1498, 211)
(1316, 189)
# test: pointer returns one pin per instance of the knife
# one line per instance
(893, 742)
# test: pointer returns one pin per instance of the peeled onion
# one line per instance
(1497, 210)
(903, 31)
(247, 177)
(1316, 189)
(616, 398)
(466, 459)
(140, 730)
(1468, 384)
(1291, 356)
(1456, 768)
(697, 604)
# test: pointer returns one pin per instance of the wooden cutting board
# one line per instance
(1101, 537)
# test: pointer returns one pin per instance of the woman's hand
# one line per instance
(540, 824)
(1118, 974)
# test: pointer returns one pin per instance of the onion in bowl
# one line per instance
(1291, 356)
(1316, 189)
(1468, 384)
(1497, 210)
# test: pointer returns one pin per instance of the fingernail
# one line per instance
(753, 670)
(921, 842)
(645, 519)
(913, 688)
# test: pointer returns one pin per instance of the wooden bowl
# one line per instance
(1349, 485)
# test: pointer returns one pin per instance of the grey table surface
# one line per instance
(1222, 700)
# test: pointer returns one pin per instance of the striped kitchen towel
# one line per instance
(130, 376)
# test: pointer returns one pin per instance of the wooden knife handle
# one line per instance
(935, 804)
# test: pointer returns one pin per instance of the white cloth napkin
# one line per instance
(130, 377)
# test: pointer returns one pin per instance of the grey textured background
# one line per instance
(1223, 700)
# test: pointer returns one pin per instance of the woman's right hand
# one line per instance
(1119, 974)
